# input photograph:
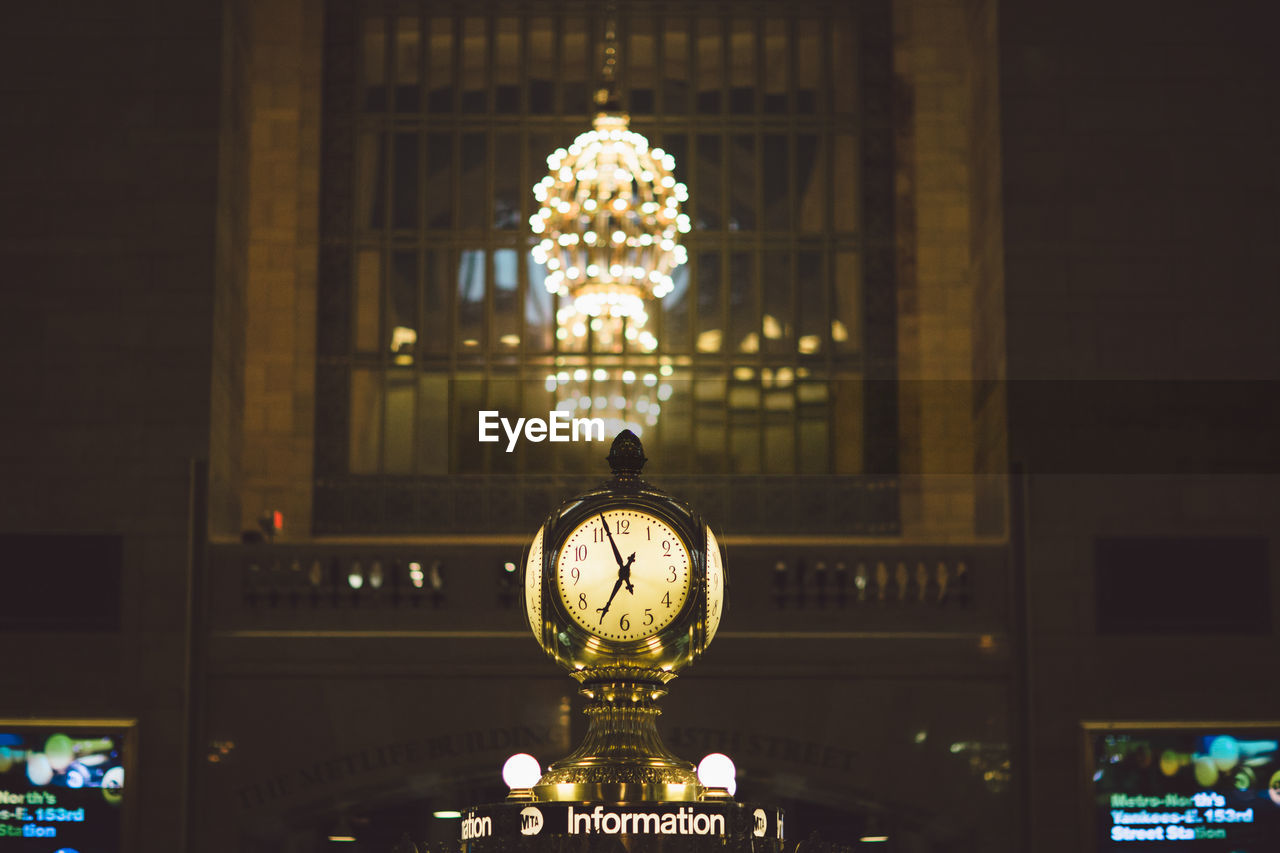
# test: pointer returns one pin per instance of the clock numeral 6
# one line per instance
(624, 623)
(648, 616)
(582, 601)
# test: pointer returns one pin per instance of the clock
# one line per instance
(715, 585)
(533, 583)
(624, 587)
(624, 580)
(617, 598)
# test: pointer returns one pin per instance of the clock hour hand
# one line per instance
(624, 577)
(603, 610)
(624, 573)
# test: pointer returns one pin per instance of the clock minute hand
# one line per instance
(616, 554)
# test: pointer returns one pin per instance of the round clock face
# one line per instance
(623, 574)
(715, 585)
(533, 585)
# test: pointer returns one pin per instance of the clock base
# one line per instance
(622, 758)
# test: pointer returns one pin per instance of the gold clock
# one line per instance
(624, 587)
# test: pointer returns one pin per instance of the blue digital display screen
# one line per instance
(1171, 790)
(61, 790)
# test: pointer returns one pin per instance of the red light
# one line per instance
(277, 520)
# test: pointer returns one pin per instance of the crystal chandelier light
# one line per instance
(610, 216)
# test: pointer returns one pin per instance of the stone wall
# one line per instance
(109, 183)
(1140, 200)
(284, 50)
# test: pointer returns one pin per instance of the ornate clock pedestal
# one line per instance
(622, 758)
(624, 587)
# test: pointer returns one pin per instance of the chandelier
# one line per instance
(609, 217)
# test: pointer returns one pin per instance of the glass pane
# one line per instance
(808, 65)
(846, 326)
(433, 424)
(775, 65)
(844, 59)
(814, 325)
(368, 300)
(811, 183)
(439, 187)
(475, 150)
(440, 66)
(507, 66)
(575, 68)
(779, 425)
(675, 326)
(777, 326)
(468, 398)
(639, 58)
(371, 188)
(744, 306)
(435, 304)
(742, 66)
(675, 65)
(742, 183)
(777, 183)
(404, 190)
(397, 437)
(504, 397)
(374, 45)
(366, 421)
(710, 317)
(744, 426)
(402, 306)
(471, 301)
(507, 192)
(846, 183)
(709, 425)
(710, 49)
(813, 436)
(539, 319)
(705, 191)
(846, 410)
(541, 71)
(475, 61)
(674, 428)
(408, 64)
(506, 300)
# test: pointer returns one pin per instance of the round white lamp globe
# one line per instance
(521, 771)
(717, 771)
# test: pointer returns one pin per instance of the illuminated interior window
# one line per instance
(432, 307)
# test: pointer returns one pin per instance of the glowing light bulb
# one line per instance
(717, 771)
(521, 771)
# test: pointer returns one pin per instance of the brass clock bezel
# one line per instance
(691, 596)
(584, 654)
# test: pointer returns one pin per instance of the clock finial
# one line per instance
(626, 457)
